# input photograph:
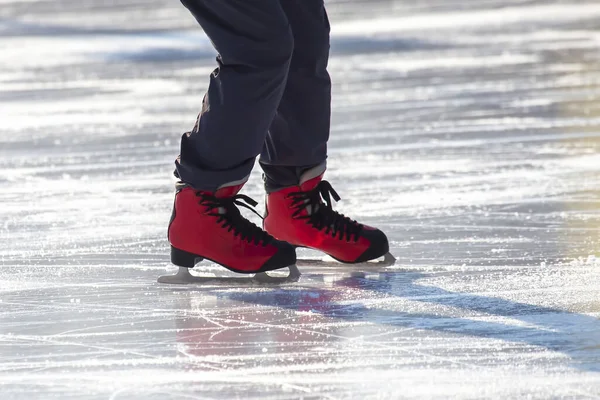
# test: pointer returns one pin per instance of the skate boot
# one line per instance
(209, 225)
(303, 216)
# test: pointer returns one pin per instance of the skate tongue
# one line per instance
(229, 189)
(312, 177)
(309, 181)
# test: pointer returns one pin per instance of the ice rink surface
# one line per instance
(469, 131)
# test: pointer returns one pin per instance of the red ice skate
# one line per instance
(206, 225)
(303, 216)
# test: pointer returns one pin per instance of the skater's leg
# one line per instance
(297, 138)
(299, 203)
(255, 44)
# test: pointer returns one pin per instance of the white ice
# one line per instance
(468, 131)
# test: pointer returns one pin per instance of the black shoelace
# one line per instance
(322, 215)
(229, 216)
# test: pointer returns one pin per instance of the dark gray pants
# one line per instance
(270, 94)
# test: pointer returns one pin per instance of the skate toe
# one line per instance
(285, 256)
(378, 247)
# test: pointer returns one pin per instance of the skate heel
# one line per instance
(184, 259)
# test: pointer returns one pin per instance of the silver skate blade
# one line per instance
(184, 277)
(389, 259)
(275, 277)
(386, 260)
